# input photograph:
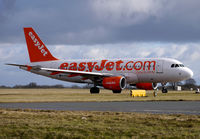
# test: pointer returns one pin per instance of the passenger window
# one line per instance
(177, 65)
(181, 65)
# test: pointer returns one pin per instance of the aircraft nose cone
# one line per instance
(189, 73)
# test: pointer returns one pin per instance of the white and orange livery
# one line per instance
(112, 74)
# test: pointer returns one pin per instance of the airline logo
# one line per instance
(110, 65)
(37, 44)
(111, 83)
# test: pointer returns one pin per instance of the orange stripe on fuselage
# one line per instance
(55, 72)
(84, 78)
(28, 68)
(73, 75)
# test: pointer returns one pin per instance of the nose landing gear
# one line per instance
(164, 89)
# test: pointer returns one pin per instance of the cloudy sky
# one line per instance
(99, 29)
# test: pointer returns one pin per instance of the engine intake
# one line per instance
(114, 83)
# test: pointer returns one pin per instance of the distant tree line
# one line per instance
(186, 85)
(34, 85)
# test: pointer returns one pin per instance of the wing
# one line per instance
(94, 76)
(83, 73)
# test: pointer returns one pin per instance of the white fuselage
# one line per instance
(146, 70)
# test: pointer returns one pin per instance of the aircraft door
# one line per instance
(159, 66)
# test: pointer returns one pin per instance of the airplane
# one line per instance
(113, 74)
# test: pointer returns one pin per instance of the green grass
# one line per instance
(69, 124)
(58, 95)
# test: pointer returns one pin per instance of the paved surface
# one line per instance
(161, 107)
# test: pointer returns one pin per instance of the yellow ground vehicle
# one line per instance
(138, 93)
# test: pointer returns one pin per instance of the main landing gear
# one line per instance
(164, 89)
(94, 90)
(116, 91)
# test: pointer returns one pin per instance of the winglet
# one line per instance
(37, 50)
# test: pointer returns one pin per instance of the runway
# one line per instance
(159, 107)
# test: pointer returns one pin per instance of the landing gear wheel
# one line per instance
(164, 90)
(94, 90)
(117, 91)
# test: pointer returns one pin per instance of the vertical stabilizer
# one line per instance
(37, 50)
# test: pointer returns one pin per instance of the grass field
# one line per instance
(68, 124)
(58, 95)
(76, 124)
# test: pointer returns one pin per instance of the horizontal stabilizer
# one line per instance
(26, 67)
(18, 65)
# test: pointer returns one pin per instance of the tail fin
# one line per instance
(37, 50)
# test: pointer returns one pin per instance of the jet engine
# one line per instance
(114, 83)
(147, 86)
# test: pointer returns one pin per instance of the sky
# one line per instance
(94, 29)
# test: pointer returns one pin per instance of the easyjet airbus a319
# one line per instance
(113, 74)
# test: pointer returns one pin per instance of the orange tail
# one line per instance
(37, 50)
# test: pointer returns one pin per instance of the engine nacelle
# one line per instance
(114, 83)
(147, 86)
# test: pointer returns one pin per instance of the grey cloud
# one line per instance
(6, 9)
(85, 22)
(126, 12)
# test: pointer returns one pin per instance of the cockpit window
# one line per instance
(177, 65)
